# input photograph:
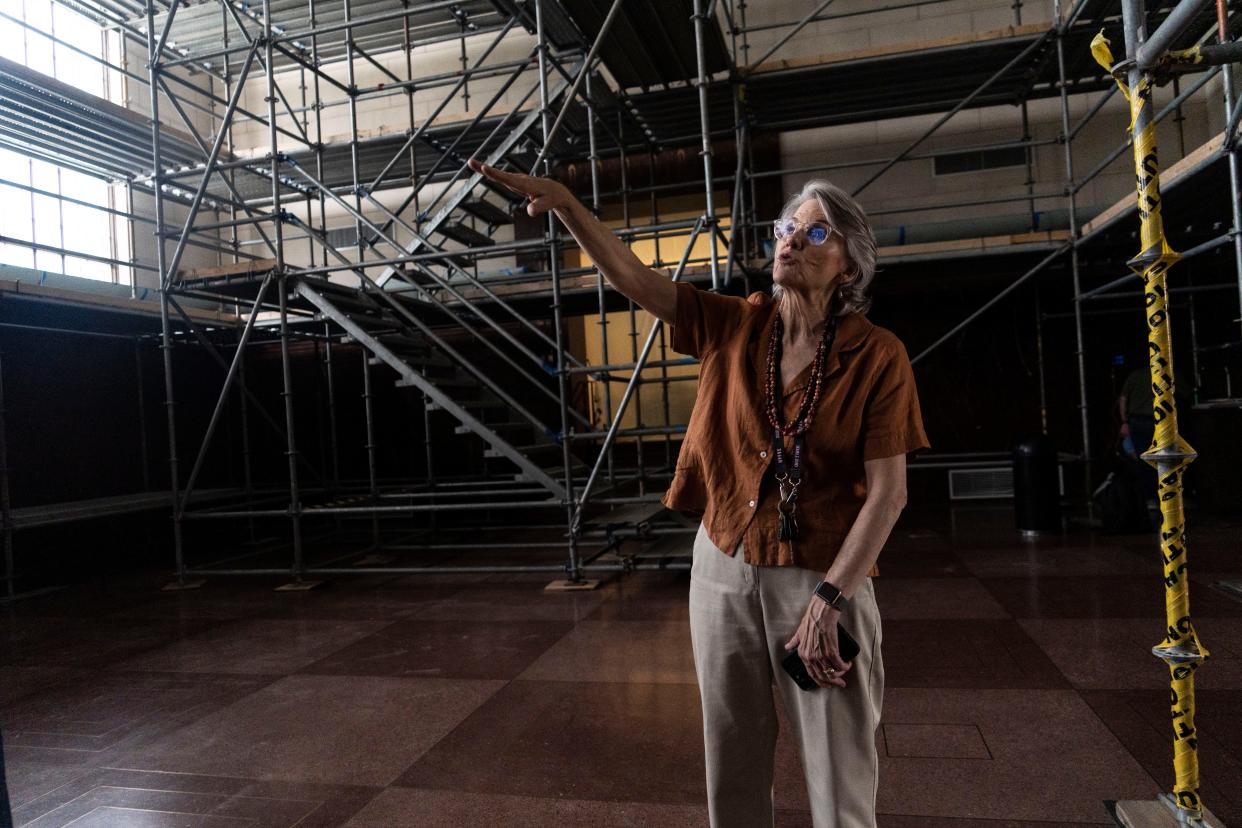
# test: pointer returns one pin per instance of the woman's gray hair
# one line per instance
(846, 216)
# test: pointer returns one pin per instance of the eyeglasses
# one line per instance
(816, 233)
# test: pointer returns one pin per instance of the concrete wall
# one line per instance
(855, 26)
(898, 196)
(894, 201)
(912, 184)
(137, 97)
(898, 199)
(387, 112)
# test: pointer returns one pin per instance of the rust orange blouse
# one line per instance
(868, 408)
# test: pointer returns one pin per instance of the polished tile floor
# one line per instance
(1020, 693)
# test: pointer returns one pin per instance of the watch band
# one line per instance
(832, 596)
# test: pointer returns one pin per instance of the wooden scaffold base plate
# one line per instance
(176, 586)
(299, 586)
(571, 586)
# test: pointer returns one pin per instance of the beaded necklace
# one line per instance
(790, 478)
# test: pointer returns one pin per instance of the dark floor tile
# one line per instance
(340, 601)
(219, 599)
(1022, 730)
(503, 603)
(793, 819)
(632, 651)
(1115, 596)
(89, 600)
(645, 596)
(116, 797)
(919, 554)
(91, 722)
(351, 597)
(979, 523)
(19, 681)
(1115, 653)
(1017, 559)
(663, 608)
(576, 752)
(1216, 579)
(922, 598)
(30, 780)
(652, 582)
(130, 814)
(561, 740)
(979, 653)
(899, 821)
(1210, 544)
(91, 643)
(327, 729)
(1139, 719)
(931, 741)
(446, 649)
(462, 809)
(257, 646)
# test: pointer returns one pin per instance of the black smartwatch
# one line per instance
(832, 596)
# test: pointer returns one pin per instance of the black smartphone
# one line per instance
(793, 665)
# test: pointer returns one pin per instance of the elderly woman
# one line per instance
(796, 457)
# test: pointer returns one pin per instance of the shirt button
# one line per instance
(763, 454)
(752, 504)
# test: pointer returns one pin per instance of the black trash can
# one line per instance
(1036, 485)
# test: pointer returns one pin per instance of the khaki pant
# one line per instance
(740, 618)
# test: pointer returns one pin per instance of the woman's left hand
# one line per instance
(816, 642)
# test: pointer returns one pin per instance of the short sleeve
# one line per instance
(704, 320)
(892, 420)
(1135, 386)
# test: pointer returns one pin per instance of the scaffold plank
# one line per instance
(1194, 161)
(1025, 31)
(253, 267)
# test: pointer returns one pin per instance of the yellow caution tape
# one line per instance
(1169, 454)
(1104, 56)
(1192, 56)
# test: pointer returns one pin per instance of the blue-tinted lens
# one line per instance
(817, 234)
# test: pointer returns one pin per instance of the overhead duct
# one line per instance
(679, 165)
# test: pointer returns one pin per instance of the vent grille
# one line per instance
(978, 484)
(341, 238)
(951, 163)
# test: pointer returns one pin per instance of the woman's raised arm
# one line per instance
(652, 291)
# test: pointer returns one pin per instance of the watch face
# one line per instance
(827, 591)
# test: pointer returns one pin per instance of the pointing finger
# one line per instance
(484, 170)
(508, 179)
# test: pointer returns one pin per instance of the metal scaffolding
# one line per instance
(489, 351)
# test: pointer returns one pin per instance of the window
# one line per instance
(32, 44)
(51, 212)
(976, 160)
